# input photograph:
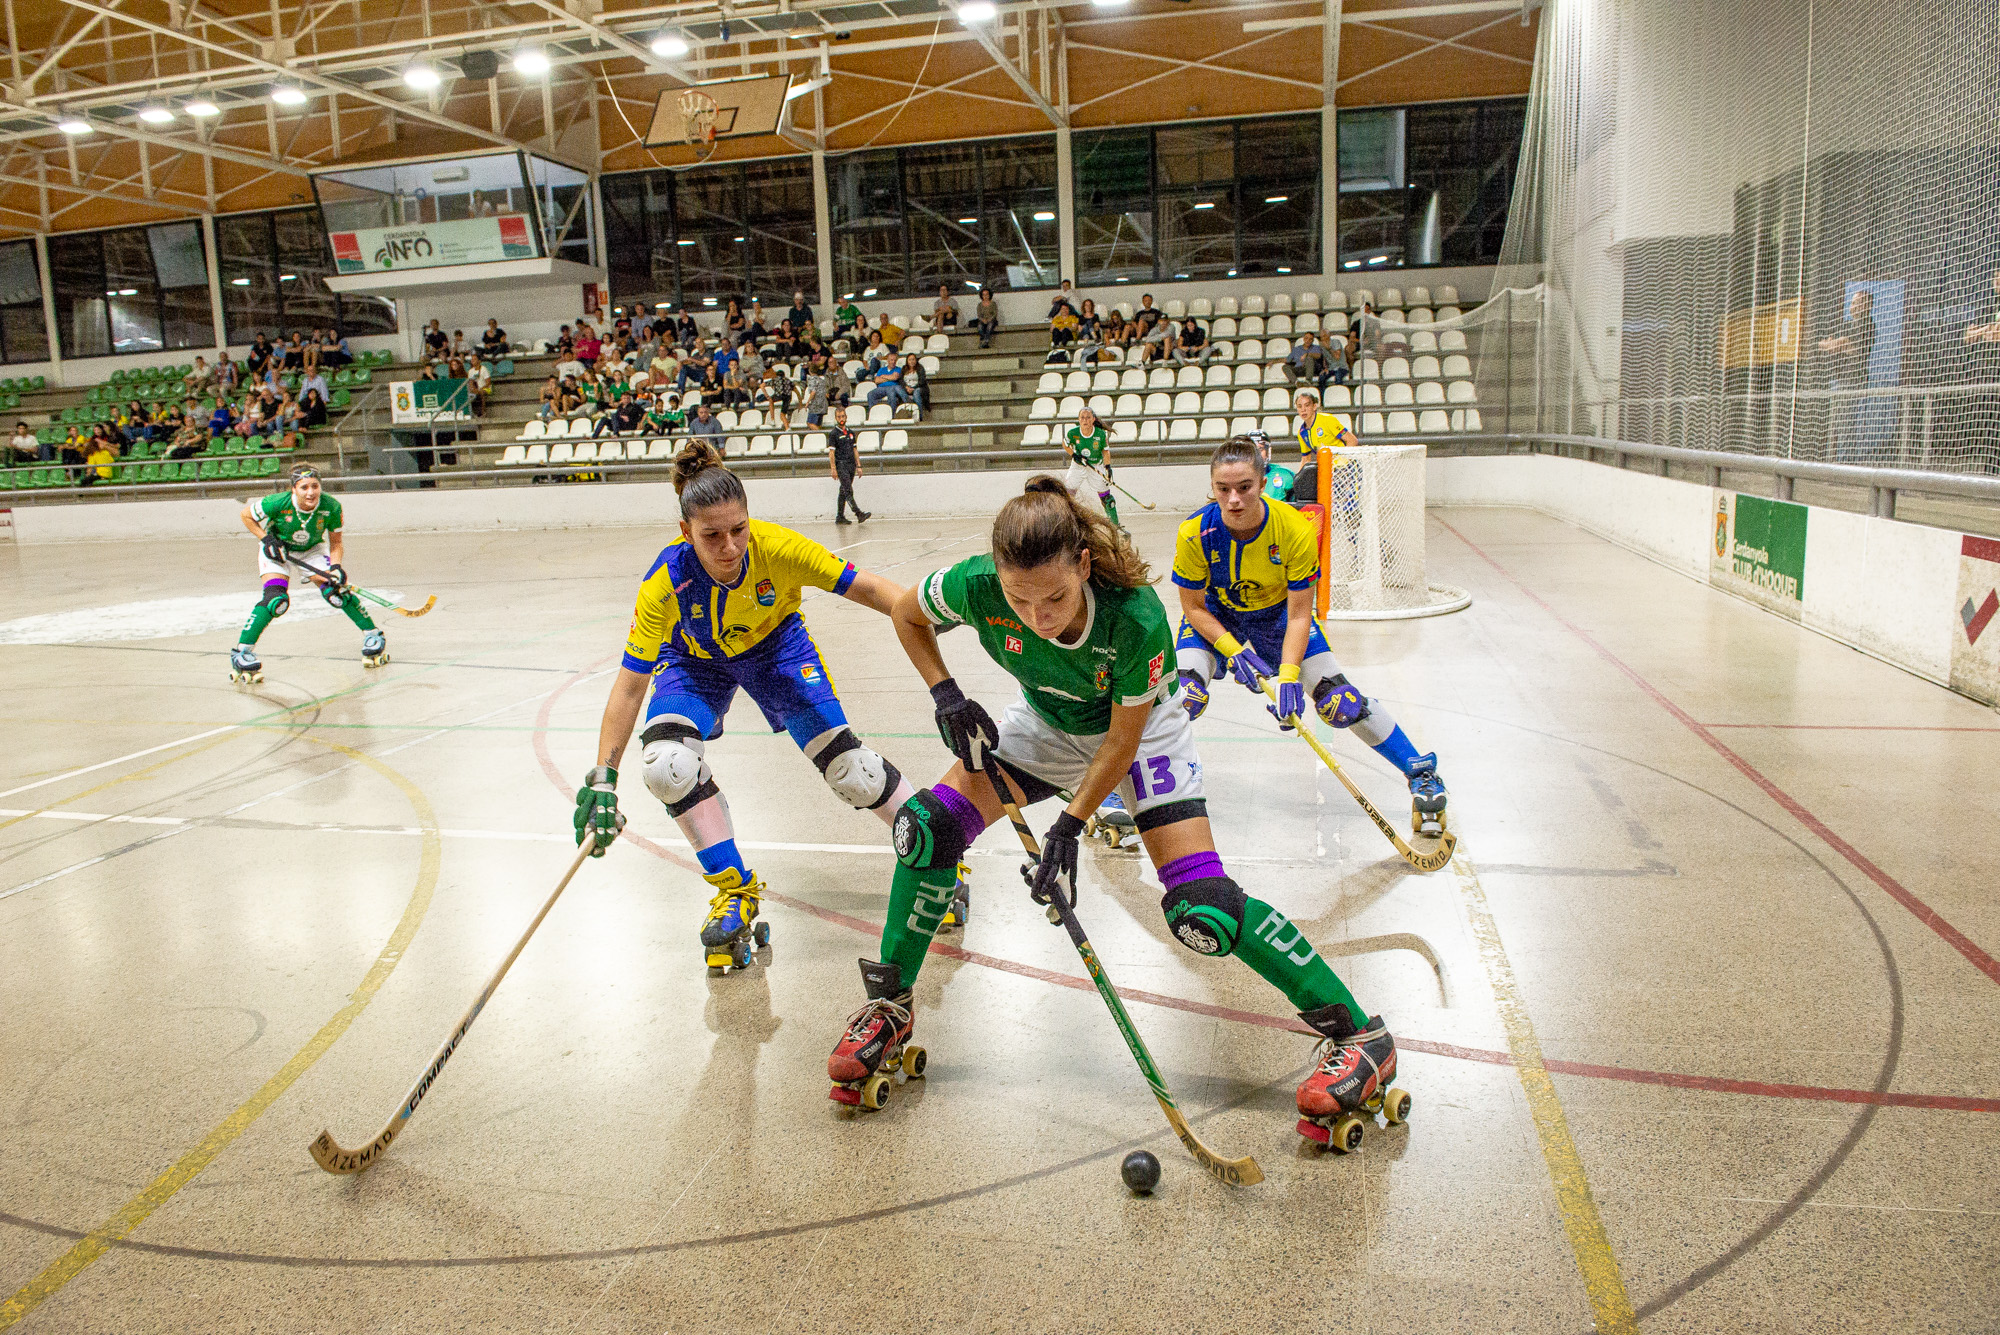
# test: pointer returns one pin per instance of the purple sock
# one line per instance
(1193, 867)
(959, 805)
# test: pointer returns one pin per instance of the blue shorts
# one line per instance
(784, 675)
(1263, 631)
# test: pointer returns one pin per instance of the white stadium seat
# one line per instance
(1215, 401)
(1369, 369)
(1100, 404)
(1124, 432)
(1429, 392)
(1199, 308)
(750, 419)
(1371, 394)
(1214, 428)
(585, 453)
(1398, 394)
(1388, 298)
(1395, 313)
(1050, 383)
(1276, 426)
(1253, 305)
(1182, 429)
(1423, 341)
(868, 442)
(855, 369)
(1447, 296)
(612, 452)
(1150, 430)
(1245, 401)
(1250, 349)
(1176, 309)
(930, 364)
(1449, 313)
(513, 455)
(1337, 396)
(880, 414)
(1071, 405)
(1225, 350)
(1461, 391)
(1188, 375)
(1418, 296)
(1451, 340)
(763, 443)
(1104, 380)
(1111, 356)
(1424, 368)
(788, 443)
(1433, 420)
(1333, 322)
(1332, 301)
(1418, 315)
(1362, 297)
(1225, 306)
(1128, 405)
(737, 445)
(537, 454)
(1401, 424)
(1132, 378)
(1251, 326)
(728, 419)
(1044, 408)
(1367, 424)
(1242, 426)
(815, 442)
(1465, 419)
(1278, 397)
(1187, 401)
(1158, 404)
(1281, 301)
(1223, 328)
(1458, 366)
(1277, 348)
(897, 439)
(1160, 377)
(1217, 375)
(1035, 434)
(533, 430)
(1248, 373)
(662, 449)
(560, 452)
(1307, 323)
(1395, 368)
(1278, 324)
(1077, 382)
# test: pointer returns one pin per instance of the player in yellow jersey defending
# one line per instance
(719, 610)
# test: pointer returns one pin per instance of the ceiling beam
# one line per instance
(1008, 67)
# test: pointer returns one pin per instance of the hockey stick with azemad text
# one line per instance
(328, 1155)
(1236, 1172)
(366, 595)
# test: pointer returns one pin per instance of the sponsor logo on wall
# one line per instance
(1759, 551)
(1975, 645)
(428, 245)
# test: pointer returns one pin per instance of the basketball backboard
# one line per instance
(743, 107)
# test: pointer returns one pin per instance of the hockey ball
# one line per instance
(1141, 1172)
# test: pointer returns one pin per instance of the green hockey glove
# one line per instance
(597, 816)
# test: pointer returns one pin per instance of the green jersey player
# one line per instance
(1064, 605)
(1090, 461)
(302, 524)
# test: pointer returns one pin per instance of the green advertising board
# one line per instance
(1760, 551)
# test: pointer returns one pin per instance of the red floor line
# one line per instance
(1670, 1079)
(1890, 886)
(1845, 727)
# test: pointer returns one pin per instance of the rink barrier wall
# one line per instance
(1925, 599)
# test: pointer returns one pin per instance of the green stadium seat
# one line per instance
(41, 382)
(341, 398)
(506, 366)
(267, 466)
(227, 468)
(148, 473)
(210, 470)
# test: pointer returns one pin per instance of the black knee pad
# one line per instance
(335, 597)
(1339, 702)
(277, 598)
(927, 833)
(1205, 915)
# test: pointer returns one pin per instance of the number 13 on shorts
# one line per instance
(1152, 776)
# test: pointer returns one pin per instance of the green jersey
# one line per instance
(1088, 448)
(1124, 656)
(299, 530)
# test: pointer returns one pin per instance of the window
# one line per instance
(778, 213)
(136, 289)
(697, 238)
(869, 256)
(24, 337)
(1209, 200)
(274, 271)
(1427, 185)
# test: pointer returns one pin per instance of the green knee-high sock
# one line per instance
(1273, 945)
(1110, 506)
(253, 626)
(356, 612)
(917, 903)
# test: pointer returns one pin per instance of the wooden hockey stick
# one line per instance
(368, 595)
(1236, 1172)
(328, 1154)
(1143, 505)
(1431, 861)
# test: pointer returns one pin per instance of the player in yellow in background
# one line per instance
(1317, 430)
(720, 610)
(1246, 566)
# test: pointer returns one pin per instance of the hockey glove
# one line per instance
(336, 579)
(1194, 694)
(967, 729)
(1058, 862)
(1244, 663)
(597, 816)
(1291, 696)
(274, 547)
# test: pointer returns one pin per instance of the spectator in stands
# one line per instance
(792, 340)
(250, 418)
(98, 460)
(846, 318)
(316, 381)
(662, 418)
(565, 343)
(494, 341)
(623, 419)
(1088, 330)
(888, 385)
(877, 352)
(172, 417)
(758, 329)
(222, 420)
(1065, 296)
(570, 402)
(705, 423)
(891, 332)
(736, 386)
(1366, 328)
(800, 313)
(288, 416)
(259, 356)
(663, 368)
(843, 463)
(226, 372)
(1157, 343)
(919, 382)
(944, 311)
(1847, 355)
(551, 398)
(589, 347)
(686, 332)
(336, 353)
(733, 323)
(478, 384)
(314, 343)
(192, 437)
(1146, 316)
(201, 378)
(1063, 324)
(1191, 344)
(826, 386)
(750, 365)
(1114, 331)
(134, 422)
(312, 408)
(1307, 363)
(437, 342)
(725, 359)
(22, 447)
(987, 313)
(695, 366)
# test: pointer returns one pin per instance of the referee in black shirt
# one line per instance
(843, 464)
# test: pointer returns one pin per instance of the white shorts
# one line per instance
(1082, 478)
(269, 570)
(1166, 769)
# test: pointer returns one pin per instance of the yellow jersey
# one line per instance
(1325, 430)
(681, 608)
(1248, 574)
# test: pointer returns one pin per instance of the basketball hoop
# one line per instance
(698, 122)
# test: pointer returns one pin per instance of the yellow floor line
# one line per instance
(1588, 1241)
(162, 1188)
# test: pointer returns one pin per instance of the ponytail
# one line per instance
(701, 480)
(1045, 523)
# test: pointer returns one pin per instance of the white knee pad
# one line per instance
(673, 769)
(1197, 660)
(858, 776)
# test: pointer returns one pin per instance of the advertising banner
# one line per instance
(422, 402)
(433, 245)
(1760, 551)
(1975, 646)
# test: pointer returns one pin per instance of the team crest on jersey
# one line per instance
(1102, 683)
(1013, 644)
(1276, 559)
(810, 671)
(767, 592)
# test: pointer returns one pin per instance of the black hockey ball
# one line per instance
(1141, 1172)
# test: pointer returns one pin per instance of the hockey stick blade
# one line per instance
(368, 594)
(1143, 505)
(429, 603)
(326, 1151)
(1431, 861)
(1242, 1172)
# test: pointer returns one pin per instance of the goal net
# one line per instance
(1372, 551)
(1765, 226)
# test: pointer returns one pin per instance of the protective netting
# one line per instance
(1766, 226)
(1375, 542)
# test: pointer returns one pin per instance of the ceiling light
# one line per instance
(202, 107)
(288, 277)
(971, 284)
(1043, 215)
(1284, 268)
(421, 76)
(735, 238)
(1350, 264)
(1106, 4)
(532, 62)
(288, 95)
(74, 125)
(708, 301)
(1205, 204)
(968, 220)
(976, 11)
(1232, 273)
(684, 242)
(155, 114)
(661, 305)
(239, 282)
(1123, 279)
(128, 291)
(670, 45)
(867, 291)
(1276, 199)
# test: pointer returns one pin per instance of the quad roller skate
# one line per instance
(244, 669)
(374, 649)
(877, 1042)
(1427, 796)
(1112, 823)
(961, 902)
(1352, 1078)
(731, 931)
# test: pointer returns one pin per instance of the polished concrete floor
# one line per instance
(1701, 1027)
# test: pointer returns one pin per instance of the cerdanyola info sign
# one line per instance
(433, 245)
(1759, 551)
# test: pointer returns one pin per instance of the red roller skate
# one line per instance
(1350, 1079)
(877, 1041)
